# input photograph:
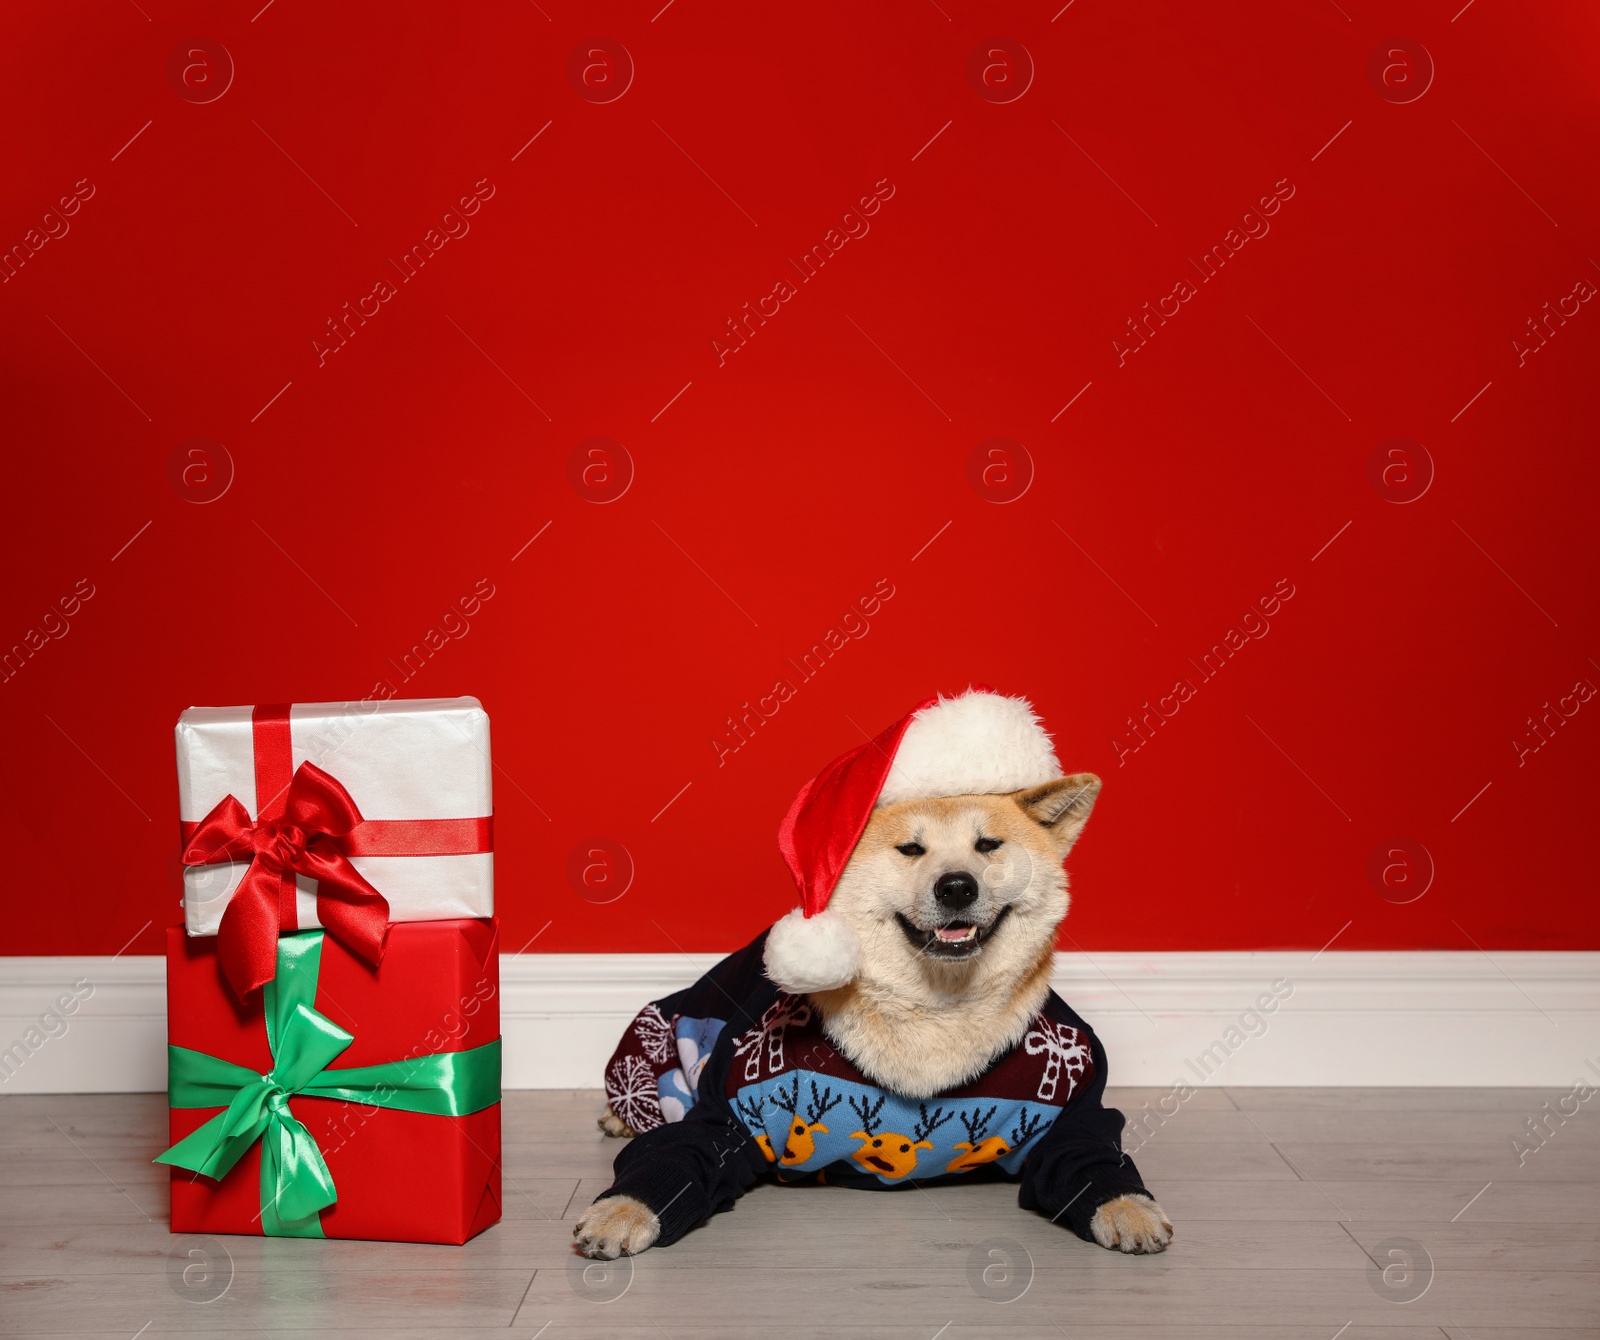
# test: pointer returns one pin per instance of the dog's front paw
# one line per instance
(1132, 1224)
(616, 1226)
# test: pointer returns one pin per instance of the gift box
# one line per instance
(338, 1101)
(345, 816)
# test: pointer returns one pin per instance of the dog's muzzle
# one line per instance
(951, 940)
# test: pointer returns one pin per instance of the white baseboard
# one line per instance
(1422, 1018)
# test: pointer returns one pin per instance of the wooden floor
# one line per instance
(1282, 1200)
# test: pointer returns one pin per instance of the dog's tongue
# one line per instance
(955, 933)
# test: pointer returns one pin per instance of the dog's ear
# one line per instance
(1061, 806)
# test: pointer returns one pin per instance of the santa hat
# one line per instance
(977, 743)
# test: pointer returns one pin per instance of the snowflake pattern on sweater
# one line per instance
(654, 1072)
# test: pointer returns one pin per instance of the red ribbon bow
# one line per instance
(303, 840)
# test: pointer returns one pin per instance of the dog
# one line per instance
(955, 903)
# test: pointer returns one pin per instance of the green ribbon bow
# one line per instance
(295, 1183)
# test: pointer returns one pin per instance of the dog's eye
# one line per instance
(911, 849)
(987, 845)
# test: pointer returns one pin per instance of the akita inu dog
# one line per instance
(904, 1006)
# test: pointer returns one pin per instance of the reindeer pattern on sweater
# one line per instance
(808, 1107)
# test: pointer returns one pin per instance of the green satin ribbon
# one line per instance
(295, 1183)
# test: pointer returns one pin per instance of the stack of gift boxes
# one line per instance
(333, 998)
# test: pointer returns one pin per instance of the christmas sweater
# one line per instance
(732, 1081)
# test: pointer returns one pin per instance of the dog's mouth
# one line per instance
(953, 940)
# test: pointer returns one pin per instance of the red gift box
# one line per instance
(402, 1176)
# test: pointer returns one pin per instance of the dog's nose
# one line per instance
(955, 890)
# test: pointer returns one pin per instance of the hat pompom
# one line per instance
(816, 953)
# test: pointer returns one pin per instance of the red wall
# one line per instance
(1226, 459)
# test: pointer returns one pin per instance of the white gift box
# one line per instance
(400, 760)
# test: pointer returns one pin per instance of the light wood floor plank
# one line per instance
(1375, 1160)
(1392, 1099)
(1103, 1288)
(1165, 1161)
(1405, 1127)
(672, 1328)
(1491, 1246)
(1416, 1202)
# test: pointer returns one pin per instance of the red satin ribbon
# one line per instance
(405, 837)
(307, 824)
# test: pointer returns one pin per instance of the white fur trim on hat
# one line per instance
(975, 744)
(812, 953)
